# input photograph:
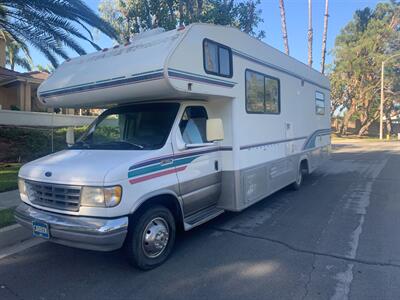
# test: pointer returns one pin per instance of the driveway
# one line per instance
(336, 238)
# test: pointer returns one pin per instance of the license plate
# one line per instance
(41, 229)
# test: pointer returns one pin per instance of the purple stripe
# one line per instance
(271, 143)
(136, 79)
(181, 155)
(200, 79)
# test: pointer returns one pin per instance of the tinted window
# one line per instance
(137, 127)
(193, 125)
(217, 59)
(319, 103)
(262, 93)
(271, 95)
(255, 92)
(224, 62)
(211, 56)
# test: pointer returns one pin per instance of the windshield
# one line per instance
(138, 127)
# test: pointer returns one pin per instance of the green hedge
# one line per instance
(26, 144)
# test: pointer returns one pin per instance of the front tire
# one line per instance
(151, 238)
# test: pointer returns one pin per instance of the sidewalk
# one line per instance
(9, 199)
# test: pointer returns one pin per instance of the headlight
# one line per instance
(22, 187)
(101, 196)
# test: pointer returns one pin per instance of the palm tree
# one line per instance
(14, 57)
(310, 33)
(324, 36)
(283, 25)
(51, 26)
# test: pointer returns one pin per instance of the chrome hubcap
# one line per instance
(155, 237)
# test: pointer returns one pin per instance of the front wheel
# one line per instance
(151, 238)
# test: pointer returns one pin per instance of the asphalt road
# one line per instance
(336, 238)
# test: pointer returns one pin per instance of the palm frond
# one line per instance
(51, 26)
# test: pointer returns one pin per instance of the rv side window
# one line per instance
(217, 59)
(271, 95)
(255, 92)
(319, 103)
(193, 125)
(262, 93)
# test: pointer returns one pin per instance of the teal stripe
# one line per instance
(158, 167)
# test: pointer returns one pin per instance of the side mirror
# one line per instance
(70, 136)
(215, 130)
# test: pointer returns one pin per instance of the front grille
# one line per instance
(58, 196)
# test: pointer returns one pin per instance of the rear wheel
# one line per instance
(299, 179)
(151, 238)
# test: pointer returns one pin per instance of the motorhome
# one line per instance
(198, 121)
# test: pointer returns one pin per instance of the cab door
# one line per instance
(197, 161)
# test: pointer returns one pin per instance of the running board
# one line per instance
(202, 217)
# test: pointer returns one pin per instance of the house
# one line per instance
(18, 91)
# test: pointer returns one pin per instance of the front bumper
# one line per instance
(80, 232)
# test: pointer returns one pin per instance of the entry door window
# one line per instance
(193, 125)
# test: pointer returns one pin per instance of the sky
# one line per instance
(340, 13)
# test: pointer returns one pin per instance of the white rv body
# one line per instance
(260, 153)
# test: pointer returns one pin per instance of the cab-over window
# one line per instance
(217, 59)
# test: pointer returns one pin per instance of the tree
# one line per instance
(51, 26)
(14, 57)
(130, 17)
(310, 33)
(324, 37)
(368, 39)
(48, 68)
(283, 26)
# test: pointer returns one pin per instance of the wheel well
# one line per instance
(304, 166)
(169, 201)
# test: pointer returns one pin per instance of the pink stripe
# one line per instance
(155, 175)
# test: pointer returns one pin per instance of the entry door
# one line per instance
(198, 168)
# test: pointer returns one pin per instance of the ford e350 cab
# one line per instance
(200, 121)
(104, 181)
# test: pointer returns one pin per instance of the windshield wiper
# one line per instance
(81, 143)
(124, 142)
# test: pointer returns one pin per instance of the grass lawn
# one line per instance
(8, 176)
(6, 217)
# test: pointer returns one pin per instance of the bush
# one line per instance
(26, 144)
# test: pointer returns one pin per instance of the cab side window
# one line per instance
(193, 125)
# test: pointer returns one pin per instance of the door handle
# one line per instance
(216, 165)
(166, 162)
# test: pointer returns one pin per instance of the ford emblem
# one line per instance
(48, 174)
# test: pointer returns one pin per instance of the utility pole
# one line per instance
(283, 25)
(382, 100)
(310, 33)
(324, 37)
(383, 94)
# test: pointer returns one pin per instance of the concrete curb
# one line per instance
(9, 199)
(13, 235)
